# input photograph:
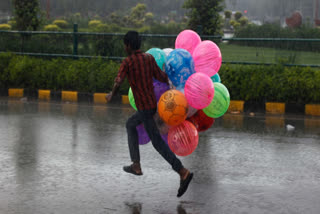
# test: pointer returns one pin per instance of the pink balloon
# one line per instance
(188, 40)
(199, 90)
(207, 58)
(191, 110)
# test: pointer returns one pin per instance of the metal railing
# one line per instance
(247, 51)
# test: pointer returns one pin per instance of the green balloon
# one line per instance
(131, 99)
(220, 102)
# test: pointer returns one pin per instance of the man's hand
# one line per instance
(109, 97)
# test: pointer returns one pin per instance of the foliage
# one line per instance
(5, 27)
(27, 13)
(205, 13)
(149, 18)
(274, 83)
(95, 75)
(77, 18)
(276, 31)
(94, 23)
(12, 23)
(250, 83)
(237, 15)
(51, 27)
(138, 12)
(234, 24)
(61, 23)
(228, 14)
(243, 21)
(90, 9)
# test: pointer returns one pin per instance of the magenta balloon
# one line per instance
(188, 40)
(142, 135)
(199, 90)
(207, 58)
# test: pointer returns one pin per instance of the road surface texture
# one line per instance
(67, 158)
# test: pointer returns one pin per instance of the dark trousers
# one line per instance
(146, 117)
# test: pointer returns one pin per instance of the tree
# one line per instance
(238, 15)
(27, 14)
(228, 14)
(205, 13)
(243, 21)
(138, 14)
(149, 18)
(139, 11)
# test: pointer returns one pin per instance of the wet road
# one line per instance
(68, 158)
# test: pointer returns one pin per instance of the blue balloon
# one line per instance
(159, 55)
(179, 67)
(216, 78)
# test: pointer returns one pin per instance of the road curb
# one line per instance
(236, 106)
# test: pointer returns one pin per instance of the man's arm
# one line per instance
(158, 73)
(118, 81)
(115, 89)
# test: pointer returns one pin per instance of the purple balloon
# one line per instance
(159, 88)
(142, 135)
(162, 126)
(144, 138)
(165, 138)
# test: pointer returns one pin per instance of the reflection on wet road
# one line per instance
(68, 158)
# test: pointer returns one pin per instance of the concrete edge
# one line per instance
(236, 106)
(15, 92)
(275, 108)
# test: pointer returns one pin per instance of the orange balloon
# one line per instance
(173, 107)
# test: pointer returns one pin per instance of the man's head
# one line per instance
(132, 41)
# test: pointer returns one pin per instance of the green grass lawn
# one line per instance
(266, 55)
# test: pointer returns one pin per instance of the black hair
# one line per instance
(133, 39)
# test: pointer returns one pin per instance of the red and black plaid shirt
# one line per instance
(140, 68)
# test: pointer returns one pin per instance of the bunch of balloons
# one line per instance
(196, 95)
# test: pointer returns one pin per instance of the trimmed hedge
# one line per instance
(256, 83)
(274, 83)
(83, 75)
(276, 31)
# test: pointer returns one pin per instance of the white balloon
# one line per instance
(167, 51)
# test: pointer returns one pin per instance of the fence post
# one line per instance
(75, 40)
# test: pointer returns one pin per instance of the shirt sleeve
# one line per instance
(157, 72)
(123, 71)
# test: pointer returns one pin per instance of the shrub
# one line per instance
(94, 75)
(261, 83)
(276, 31)
(94, 23)
(51, 28)
(243, 21)
(228, 14)
(12, 23)
(103, 28)
(237, 15)
(61, 23)
(257, 83)
(5, 27)
(234, 24)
